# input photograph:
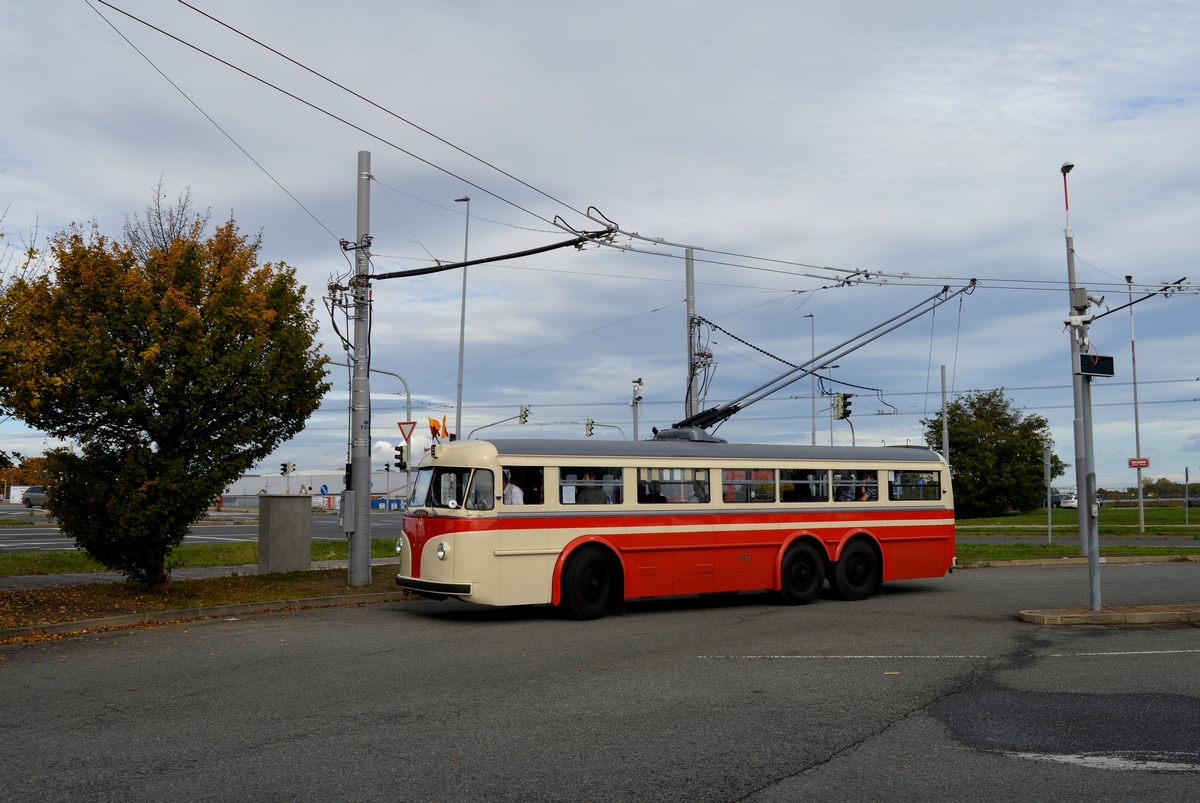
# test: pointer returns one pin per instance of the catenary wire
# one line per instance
(384, 109)
(217, 125)
(377, 137)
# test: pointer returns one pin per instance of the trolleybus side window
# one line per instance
(855, 485)
(672, 485)
(804, 485)
(590, 485)
(523, 485)
(748, 484)
(915, 486)
(472, 489)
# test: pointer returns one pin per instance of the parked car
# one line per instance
(1071, 501)
(34, 495)
(1193, 501)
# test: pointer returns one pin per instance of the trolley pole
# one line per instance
(360, 389)
(691, 404)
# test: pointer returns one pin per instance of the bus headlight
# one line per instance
(441, 551)
(400, 545)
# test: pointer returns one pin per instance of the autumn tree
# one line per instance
(173, 358)
(996, 459)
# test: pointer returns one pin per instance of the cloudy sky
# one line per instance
(918, 142)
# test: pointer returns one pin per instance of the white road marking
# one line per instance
(840, 657)
(933, 657)
(1109, 761)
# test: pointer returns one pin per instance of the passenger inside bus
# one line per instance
(589, 491)
(650, 493)
(868, 489)
(512, 494)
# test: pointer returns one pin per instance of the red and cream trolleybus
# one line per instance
(590, 524)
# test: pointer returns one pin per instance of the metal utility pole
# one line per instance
(462, 320)
(1046, 457)
(1137, 429)
(945, 422)
(691, 404)
(812, 382)
(1085, 476)
(358, 498)
(635, 403)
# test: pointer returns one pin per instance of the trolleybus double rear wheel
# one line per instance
(856, 575)
(802, 574)
(589, 583)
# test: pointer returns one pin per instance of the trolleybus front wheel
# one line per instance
(589, 584)
(856, 575)
(802, 574)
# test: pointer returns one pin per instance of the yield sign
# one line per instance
(406, 428)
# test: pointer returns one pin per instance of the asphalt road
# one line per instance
(217, 529)
(930, 691)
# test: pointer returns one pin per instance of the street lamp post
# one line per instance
(812, 382)
(830, 367)
(462, 319)
(1137, 430)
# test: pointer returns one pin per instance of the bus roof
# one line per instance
(701, 449)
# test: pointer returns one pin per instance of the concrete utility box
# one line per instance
(284, 533)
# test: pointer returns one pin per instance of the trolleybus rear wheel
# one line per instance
(802, 574)
(588, 584)
(856, 575)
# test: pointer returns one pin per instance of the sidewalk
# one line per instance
(20, 583)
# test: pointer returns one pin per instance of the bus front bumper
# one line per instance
(433, 586)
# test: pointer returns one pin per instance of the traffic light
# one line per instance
(283, 469)
(401, 461)
(841, 405)
(524, 414)
(286, 469)
(587, 427)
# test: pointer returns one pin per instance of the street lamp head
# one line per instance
(1128, 280)
(468, 199)
(1067, 167)
(809, 315)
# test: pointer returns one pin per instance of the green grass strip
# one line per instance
(983, 552)
(186, 556)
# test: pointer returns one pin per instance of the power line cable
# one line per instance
(383, 109)
(323, 111)
(195, 105)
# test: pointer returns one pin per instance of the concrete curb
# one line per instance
(127, 620)
(1147, 615)
(999, 564)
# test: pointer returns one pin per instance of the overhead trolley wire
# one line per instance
(383, 109)
(325, 112)
(195, 105)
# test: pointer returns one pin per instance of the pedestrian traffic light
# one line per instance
(401, 458)
(588, 427)
(524, 414)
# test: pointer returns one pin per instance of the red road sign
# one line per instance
(406, 428)
(1139, 462)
